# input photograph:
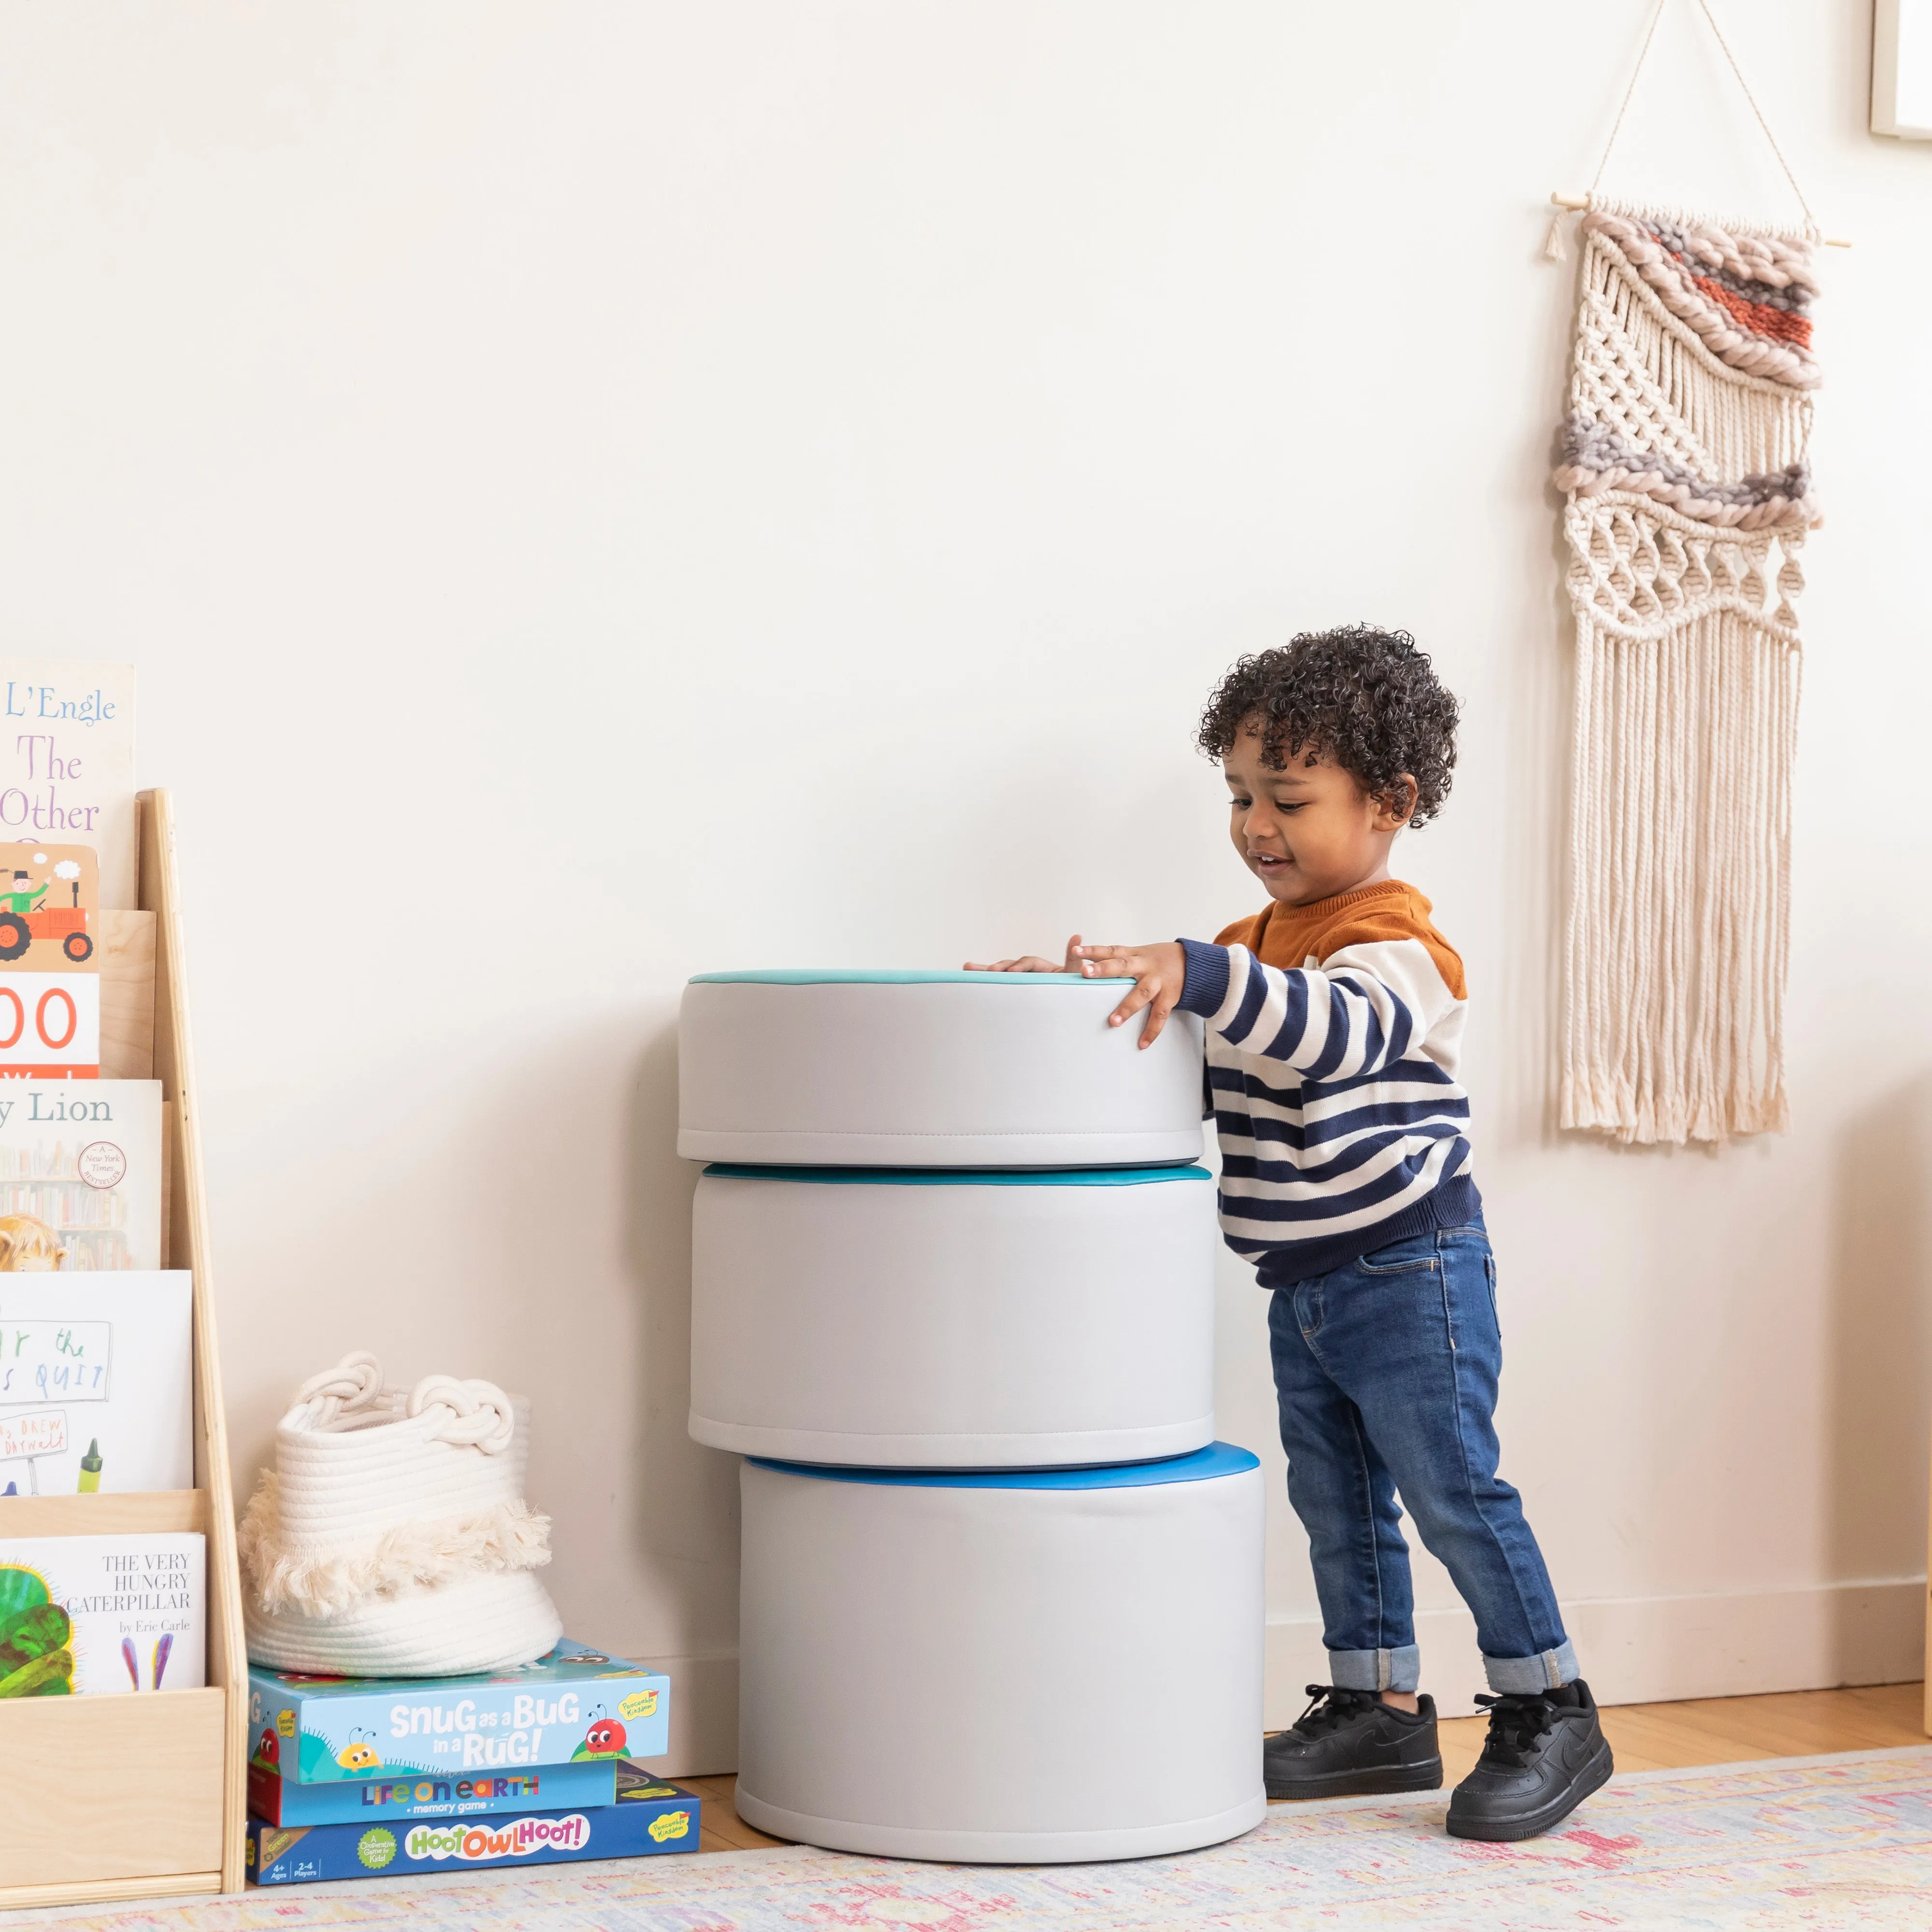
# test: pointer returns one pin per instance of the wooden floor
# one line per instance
(1646, 1737)
(1731, 1730)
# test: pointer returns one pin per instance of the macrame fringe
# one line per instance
(1679, 929)
(415, 1555)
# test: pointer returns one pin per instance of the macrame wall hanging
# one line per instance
(1683, 456)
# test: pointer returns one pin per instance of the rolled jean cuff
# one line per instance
(1376, 1669)
(1519, 1675)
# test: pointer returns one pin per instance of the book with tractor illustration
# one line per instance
(667, 1820)
(66, 761)
(80, 1173)
(96, 1382)
(102, 1615)
(50, 962)
(574, 1706)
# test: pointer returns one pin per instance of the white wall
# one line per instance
(599, 492)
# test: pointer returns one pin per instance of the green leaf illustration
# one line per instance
(27, 1634)
(48, 1676)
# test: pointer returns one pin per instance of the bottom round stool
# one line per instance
(1010, 1666)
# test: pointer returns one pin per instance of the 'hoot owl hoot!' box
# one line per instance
(655, 1817)
(574, 1706)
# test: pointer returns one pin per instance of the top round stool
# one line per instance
(837, 1068)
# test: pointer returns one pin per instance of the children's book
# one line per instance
(66, 761)
(574, 1705)
(49, 963)
(96, 1382)
(80, 1173)
(665, 1820)
(97, 1616)
(568, 1787)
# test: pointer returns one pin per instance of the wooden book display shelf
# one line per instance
(115, 1798)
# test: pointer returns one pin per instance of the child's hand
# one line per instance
(1161, 970)
(1031, 962)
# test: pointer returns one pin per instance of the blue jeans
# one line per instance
(1385, 1372)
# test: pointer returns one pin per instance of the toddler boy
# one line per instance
(1333, 1023)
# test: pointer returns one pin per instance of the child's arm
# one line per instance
(1354, 1014)
(1031, 962)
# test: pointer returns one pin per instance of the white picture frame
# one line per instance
(1901, 95)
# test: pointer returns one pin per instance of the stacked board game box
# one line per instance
(351, 1776)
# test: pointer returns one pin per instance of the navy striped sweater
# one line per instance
(1334, 1033)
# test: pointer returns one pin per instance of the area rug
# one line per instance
(1841, 1841)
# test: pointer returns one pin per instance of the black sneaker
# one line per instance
(1349, 1744)
(1545, 1753)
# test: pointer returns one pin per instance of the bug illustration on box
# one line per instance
(606, 1737)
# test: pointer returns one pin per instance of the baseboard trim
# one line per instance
(1634, 1650)
(1654, 1650)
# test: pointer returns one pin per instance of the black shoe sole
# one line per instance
(1426, 1776)
(1594, 1776)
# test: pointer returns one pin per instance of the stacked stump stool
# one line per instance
(953, 1292)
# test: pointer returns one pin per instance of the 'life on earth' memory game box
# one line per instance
(574, 1706)
(281, 1800)
(655, 1817)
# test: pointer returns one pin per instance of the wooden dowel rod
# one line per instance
(1580, 201)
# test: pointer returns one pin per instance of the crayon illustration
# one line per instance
(128, 1657)
(90, 1469)
(164, 1645)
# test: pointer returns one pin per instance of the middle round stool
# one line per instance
(936, 1319)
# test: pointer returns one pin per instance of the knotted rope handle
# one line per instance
(477, 1414)
(353, 1383)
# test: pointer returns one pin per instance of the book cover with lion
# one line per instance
(80, 1175)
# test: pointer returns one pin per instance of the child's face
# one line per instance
(1307, 832)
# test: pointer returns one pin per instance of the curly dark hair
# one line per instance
(1365, 697)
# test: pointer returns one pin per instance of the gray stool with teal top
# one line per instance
(929, 1318)
(1012, 1665)
(836, 1069)
(953, 1276)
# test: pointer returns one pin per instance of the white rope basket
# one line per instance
(392, 1538)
